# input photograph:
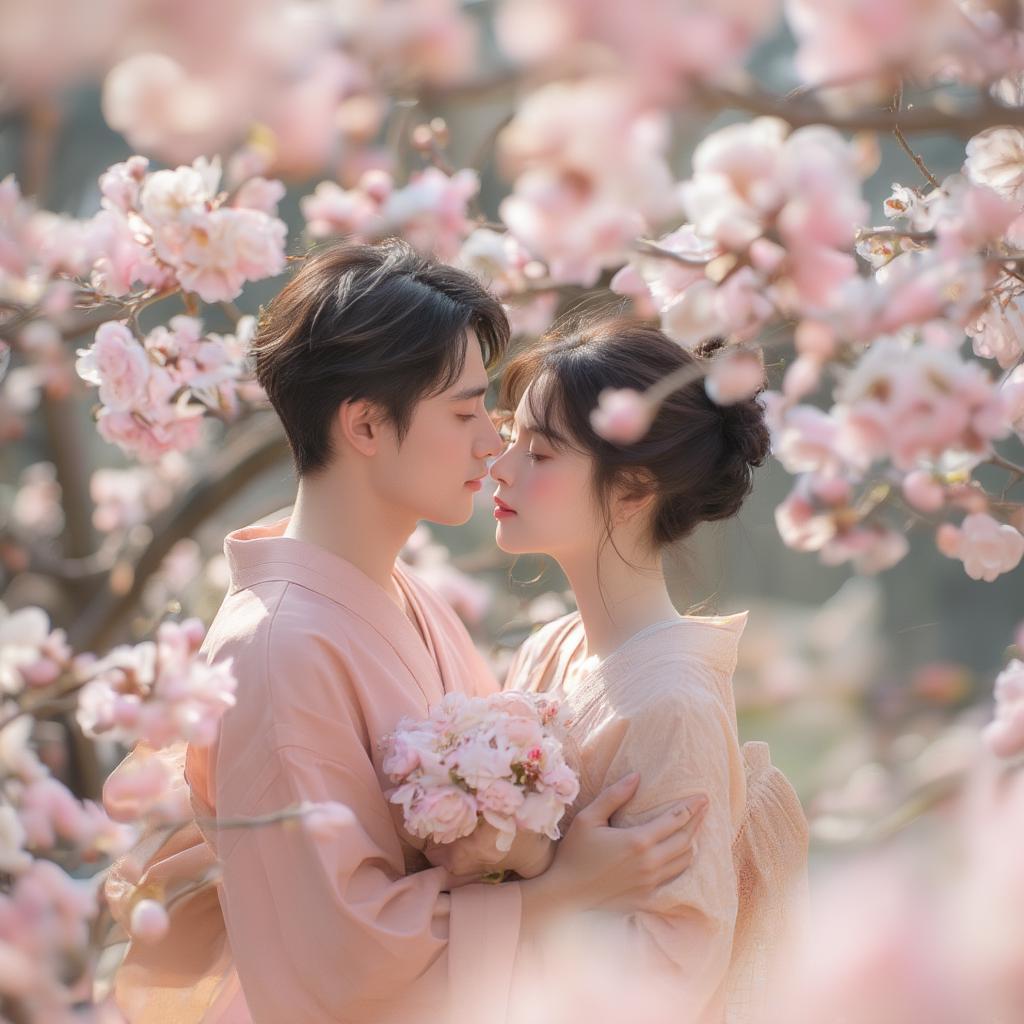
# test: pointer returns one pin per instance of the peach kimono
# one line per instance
(303, 926)
(662, 704)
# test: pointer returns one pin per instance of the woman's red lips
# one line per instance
(501, 510)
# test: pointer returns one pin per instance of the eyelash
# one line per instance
(532, 456)
(466, 418)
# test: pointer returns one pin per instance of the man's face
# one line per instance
(441, 461)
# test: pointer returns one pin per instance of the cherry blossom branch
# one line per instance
(897, 104)
(260, 445)
(996, 459)
(802, 113)
(651, 248)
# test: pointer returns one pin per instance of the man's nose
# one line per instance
(490, 443)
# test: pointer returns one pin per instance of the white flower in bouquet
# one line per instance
(498, 759)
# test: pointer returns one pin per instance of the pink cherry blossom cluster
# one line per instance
(175, 228)
(162, 692)
(928, 417)
(153, 392)
(773, 215)
(157, 691)
(430, 211)
(659, 43)
(31, 653)
(124, 498)
(856, 51)
(35, 247)
(498, 759)
(590, 173)
(45, 920)
(500, 260)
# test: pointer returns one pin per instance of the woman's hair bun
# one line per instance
(709, 347)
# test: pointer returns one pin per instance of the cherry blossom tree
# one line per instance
(887, 345)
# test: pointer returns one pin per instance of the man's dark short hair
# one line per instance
(381, 323)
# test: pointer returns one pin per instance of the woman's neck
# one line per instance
(616, 599)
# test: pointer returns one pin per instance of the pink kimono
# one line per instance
(662, 705)
(348, 926)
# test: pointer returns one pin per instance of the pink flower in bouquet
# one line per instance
(443, 814)
(563, 780)
(1005, 734)
(541, 812)
(402, 759)
(500, 797)
(480, 764)
(480, 757)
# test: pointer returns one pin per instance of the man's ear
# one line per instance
(359, 424)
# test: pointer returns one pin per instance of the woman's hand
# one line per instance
(598, 866)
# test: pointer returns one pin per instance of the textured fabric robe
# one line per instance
(662, 704)
(351, 925)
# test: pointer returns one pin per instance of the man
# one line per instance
(375, 358)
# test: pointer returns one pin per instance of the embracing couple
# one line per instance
(683, 857)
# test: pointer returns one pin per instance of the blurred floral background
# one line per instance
(836, 187)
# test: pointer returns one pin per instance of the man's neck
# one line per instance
(351, 524)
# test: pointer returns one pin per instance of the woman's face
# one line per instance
(544, 503)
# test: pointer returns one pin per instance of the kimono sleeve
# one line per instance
(323, 924)
(683, 745)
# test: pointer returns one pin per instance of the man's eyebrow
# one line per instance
(468, 393)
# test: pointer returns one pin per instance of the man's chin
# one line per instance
(454, 516)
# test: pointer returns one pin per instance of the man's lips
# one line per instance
(475, 485)
(501, 510)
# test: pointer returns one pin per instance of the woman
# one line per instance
(649, 689)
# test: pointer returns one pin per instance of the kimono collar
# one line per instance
(712, 639)
(259, 554)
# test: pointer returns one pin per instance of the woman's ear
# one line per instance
(633, 497)
(358, 425)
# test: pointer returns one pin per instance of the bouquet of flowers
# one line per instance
(497, 759)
